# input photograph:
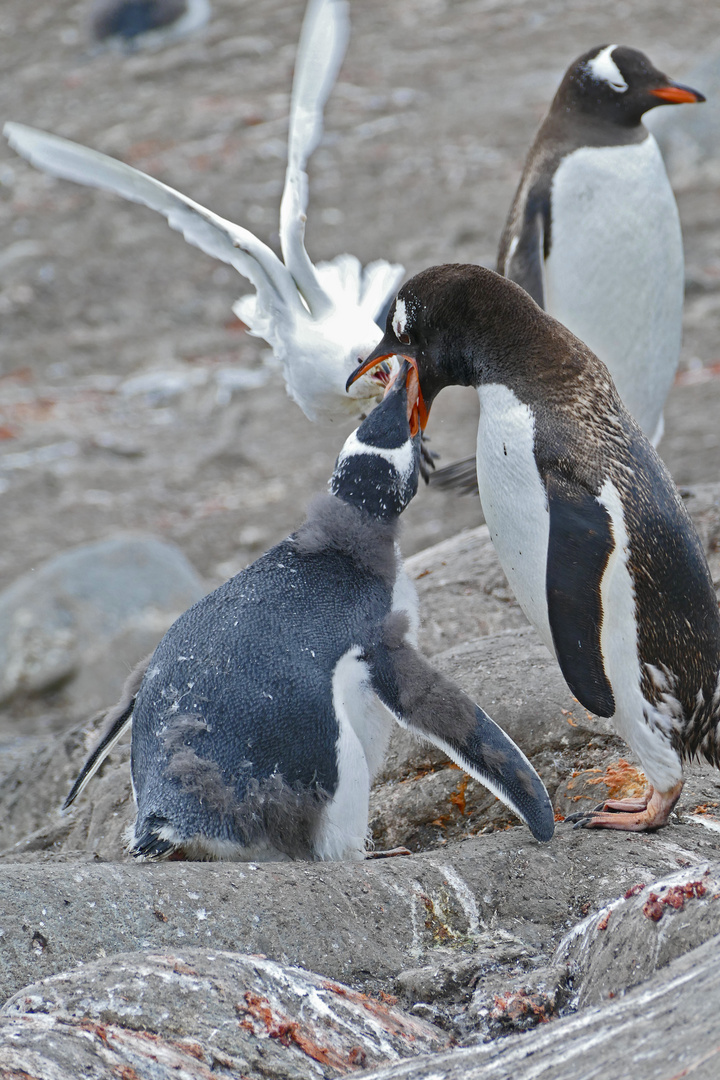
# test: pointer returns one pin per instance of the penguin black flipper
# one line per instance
(522, 253)
(579, 547)
(425, 701)
(117, 720)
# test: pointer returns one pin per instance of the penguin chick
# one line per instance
(318, 320)
(264, 713)
(593, 233)
(587, 523)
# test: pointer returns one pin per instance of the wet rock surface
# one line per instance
(664, 1028)
(227, 1013)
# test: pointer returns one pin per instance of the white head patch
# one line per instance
(400, 317)
(401, 458)
(604, 69)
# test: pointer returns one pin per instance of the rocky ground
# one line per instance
(134, 410)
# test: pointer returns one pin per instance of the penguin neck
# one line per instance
(335, 525)
(572, 123)
(522, 347)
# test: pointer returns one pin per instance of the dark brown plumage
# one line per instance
(588, 524)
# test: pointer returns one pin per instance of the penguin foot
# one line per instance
(389, 854)
(644, 814)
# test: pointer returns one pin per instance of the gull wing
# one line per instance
(201, 227)
(321, 50)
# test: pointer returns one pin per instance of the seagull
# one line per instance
(319, 320)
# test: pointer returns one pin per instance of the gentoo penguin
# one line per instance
(318, 320)
(593, 233)
(587, 523)
(148, 24)
(264, 712)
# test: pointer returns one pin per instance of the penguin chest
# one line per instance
(614, 273)
(514, 499)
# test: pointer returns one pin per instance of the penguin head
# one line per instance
(378, 467)
(460, 325)
(618, 84)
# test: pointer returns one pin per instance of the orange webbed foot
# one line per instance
(644, 814)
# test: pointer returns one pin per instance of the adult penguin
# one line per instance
(593, 233)
(587, 523)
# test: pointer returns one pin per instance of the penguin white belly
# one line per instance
(614, 274)
(514, 500)
(365, 726)
(644, 726)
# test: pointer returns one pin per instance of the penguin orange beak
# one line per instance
(675, 94)
(418, 411)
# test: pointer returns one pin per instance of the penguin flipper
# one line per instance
(522, 254)
(580, 545)
(427, 702)
(490, 756)
(117, 720)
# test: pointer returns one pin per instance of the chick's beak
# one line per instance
(417, 410)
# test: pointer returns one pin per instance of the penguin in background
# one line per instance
(593, 233)
(264, 713)
(586, 521)
(128, 25)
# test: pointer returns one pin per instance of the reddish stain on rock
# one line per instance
(674, 897)
(357, 1057)
(522, 1009)
(277, 1026)
(652, 908)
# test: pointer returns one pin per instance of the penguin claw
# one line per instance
(644, 813)
(580, 815)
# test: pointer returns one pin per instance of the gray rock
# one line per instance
(234, 1014)
(35, 776)
(506, 1001)
(362, 923)
(88, 615)
(666, 1027)
(654, 922)
(463, 591)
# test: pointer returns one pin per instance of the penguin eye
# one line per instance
(404, 338)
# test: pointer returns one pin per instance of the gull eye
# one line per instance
(404, 338)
